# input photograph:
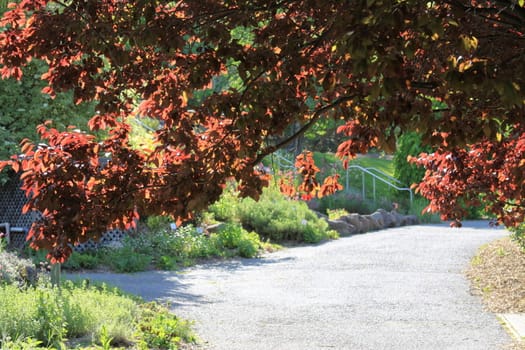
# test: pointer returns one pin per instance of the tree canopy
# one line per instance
(226, 79)
(23, 107)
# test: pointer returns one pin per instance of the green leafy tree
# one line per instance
(23, 107)
(409, 145)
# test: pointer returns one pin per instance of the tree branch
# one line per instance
(303, 129)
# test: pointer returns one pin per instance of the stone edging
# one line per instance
(356, 223)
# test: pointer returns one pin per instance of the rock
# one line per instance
(397, 218)
(353, 219)
(366, 223)
(412, 220)
(320, 215)
(342, 227)
(388, 219)
(377, 218)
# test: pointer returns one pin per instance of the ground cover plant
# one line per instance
(274, 217)
(166, 249)
(82, 315)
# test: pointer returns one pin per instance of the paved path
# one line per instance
(399, 288)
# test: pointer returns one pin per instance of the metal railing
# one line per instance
(376, 174)
(283, 162)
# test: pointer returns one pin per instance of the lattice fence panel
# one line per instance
(12, 200)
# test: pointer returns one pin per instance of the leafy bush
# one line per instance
(50, 315)
(409, 144)
(158, 328)
(158, 223)
(417, 207)
(126, 259)
(46, 316)
(334, 214)
(518, 235)
(350, 202)
(167, 249)
(86, 260)
(227, 207)
(279, 219)
(234, 237)
(14, 269)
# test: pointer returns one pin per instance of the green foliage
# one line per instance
(23, 107)
(126, 259)
(226, 209)
(48, 316)
(79, 261)
(518, 235)
(158, 223)
(417, 207)
(14, 269)
(334, 214)
(349, 202)
(279, 219)
(158, 328)
(408, 144)
(167, 249)
(236, 239)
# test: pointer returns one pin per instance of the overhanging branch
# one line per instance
(271, 149)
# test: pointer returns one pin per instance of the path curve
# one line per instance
(399, 288)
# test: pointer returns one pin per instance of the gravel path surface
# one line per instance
(399, 288)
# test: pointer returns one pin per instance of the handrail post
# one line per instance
(363, 184)
(374, 188)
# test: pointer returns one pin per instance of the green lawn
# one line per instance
(381, 163)
(327, 161)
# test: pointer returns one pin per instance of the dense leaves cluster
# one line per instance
(490, 174)
(375, 65)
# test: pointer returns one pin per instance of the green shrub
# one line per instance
(14, 269)
(249, 245)
(418, 205)
(348, 201)
(234, 237)
(518, 235)
(279, 219)
(230, 235)
(158, 223)
(334, 214)
(126, 259)
(227, 207)
(158, 328)
(49, 314)
(409, 144)
(85, 260)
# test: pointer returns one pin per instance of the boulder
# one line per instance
(388, 219)
(378, 220)
(366, 223)
(342, 227)
(412, 220)
(353, 219)
(397, 218)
